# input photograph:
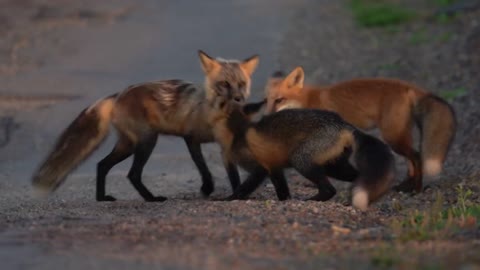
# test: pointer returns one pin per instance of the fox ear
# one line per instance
(295, 78)
(208, 62)
(250, 64)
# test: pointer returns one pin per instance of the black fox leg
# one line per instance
(316, 174)
(232, 173)
(252, 182)
(142, 152)
(280, 184)
(122, 150)
(303, 160)
(342, 170)
(400, 139)
(413, 181)
(196, 154)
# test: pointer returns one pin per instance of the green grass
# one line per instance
(445, 37)
(379, 13)
(444, 18)
(443, 2)
(392, 256)
(419, 37)
(450, 95)
(437, 222)
(385, 257)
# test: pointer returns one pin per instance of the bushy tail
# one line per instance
(436, 121)
(376, 168)
(75, 144)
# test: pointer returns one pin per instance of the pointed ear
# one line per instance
(250, 64)
(208, 62)
(295, 78)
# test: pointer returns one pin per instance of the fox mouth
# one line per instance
(238, 99)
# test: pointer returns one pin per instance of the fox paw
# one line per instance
(284, 197)
(322, 197)
(156, 199)
(407, 186)
(106, 198)
(207, 189)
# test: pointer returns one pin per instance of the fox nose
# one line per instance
(238, 99)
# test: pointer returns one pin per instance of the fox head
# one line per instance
(285, 92)
(228, 78)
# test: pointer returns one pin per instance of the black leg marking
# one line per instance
(122, 150)
(233, 175)
(252, 182)
(280, 184)
(142, 152)
(303, 161)
(232, 172)
(316, 174)
(412, 183)
(342, 170)
(196, 153)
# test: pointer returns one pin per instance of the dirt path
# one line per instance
(58, 57)
(439, 56)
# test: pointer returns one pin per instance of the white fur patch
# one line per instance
(289, 105)
(432, 167)
(360, 198)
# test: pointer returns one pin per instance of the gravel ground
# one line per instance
(190, 232)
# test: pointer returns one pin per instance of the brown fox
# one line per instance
(391, 105)
(316, 143)
(139, 114)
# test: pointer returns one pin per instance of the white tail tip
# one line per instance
(360, 198)
(432, 167)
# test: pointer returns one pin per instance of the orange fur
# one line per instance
(140, 113)
(344, 140)
(270, 154)
(387, 104)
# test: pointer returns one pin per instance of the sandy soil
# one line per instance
(56, 55)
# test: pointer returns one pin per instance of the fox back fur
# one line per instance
(316, 143)
(139, 114)
(393, 106)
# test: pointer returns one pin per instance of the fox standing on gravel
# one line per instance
(391, 105)
(139, 114)
(316, 143)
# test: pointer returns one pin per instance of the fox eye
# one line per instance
(241, 85)
(279, 100)
(224, 84)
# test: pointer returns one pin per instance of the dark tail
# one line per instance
(75, 144)
(436, 121)
(250, 109)
(376, 168)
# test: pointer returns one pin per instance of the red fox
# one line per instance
(139, 114)
(391, 105)
(316, 143)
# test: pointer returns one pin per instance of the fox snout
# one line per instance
(239, 99)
